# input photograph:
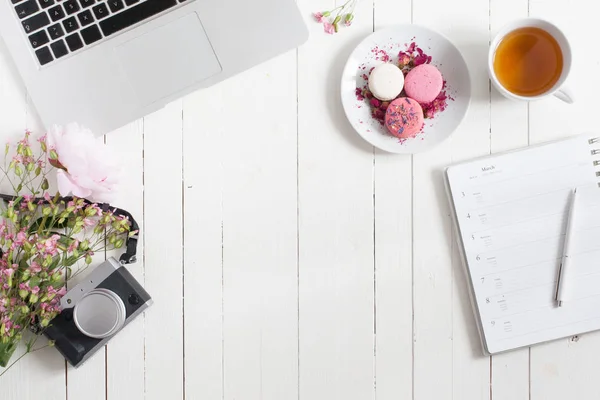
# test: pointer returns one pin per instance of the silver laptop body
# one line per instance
(104, 63)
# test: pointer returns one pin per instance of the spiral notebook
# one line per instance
(510, 211)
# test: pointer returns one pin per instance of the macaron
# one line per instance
(386, 82)
(423, 83)
(404, 117)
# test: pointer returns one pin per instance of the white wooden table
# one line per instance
(289, 260)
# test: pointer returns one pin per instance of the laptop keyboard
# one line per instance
(57, 28)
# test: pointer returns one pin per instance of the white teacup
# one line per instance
(559, 89)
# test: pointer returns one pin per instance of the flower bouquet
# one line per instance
(44, 236)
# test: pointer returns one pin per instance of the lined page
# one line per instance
(511, 211)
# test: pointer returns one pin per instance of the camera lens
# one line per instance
(99, 314)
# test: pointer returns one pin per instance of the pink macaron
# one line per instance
(404, 117)
(423, 83)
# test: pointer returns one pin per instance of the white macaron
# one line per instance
(386, 82)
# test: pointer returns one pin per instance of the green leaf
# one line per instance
(34, 281)
(70, 261)
(57, 225)
(29, 344)
(23, 265)
(65, 240)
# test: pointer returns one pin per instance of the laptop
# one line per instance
(104, 63)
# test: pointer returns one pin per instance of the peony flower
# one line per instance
(329, 28)
(86, 167)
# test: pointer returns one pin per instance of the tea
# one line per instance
(528, 61)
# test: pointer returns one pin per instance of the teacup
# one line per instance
(558, 89)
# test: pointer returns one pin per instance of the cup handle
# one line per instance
(565, 94)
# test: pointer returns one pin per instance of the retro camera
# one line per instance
(96, 310)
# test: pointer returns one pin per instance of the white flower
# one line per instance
(86, 166)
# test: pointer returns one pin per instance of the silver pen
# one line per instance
(566, 257)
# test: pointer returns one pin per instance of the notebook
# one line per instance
(510, 211)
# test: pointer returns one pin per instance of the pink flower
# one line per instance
(88, 222)
(73, 245)
(8, 271)
(329, 28)
(35, 290)
(86, 166)
(348, 23)
(319, 17)
(21, 238)
(403, 59)
(51, 244)
(35, 268)
(96, 210)
(47, 196)
(53, 292)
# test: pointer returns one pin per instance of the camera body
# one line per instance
(96, 310)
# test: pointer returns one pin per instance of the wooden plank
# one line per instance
(203, 139)
(509, 130)
(260, 275)
(393, 251)
(447, 344)
(42, 371)
(335, 222)
(163, 224)
(565, 368)
(125, 363)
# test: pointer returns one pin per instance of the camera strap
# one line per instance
(130, 254)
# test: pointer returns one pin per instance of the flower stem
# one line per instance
(20, 357)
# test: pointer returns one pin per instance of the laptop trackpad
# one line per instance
(168, 59)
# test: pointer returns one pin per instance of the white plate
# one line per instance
(445, 56)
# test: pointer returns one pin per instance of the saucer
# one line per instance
(371, 52)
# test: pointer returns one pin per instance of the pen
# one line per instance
(566, 257)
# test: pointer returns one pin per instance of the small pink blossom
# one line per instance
(50, 245)
(35, 290)
(319, 17)
(96, 209)
(47, 196)
(74, 245)
(8, 272)
(53, 292)
(329, 28)
(88, 222)
(35, 268)
(21, 238)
